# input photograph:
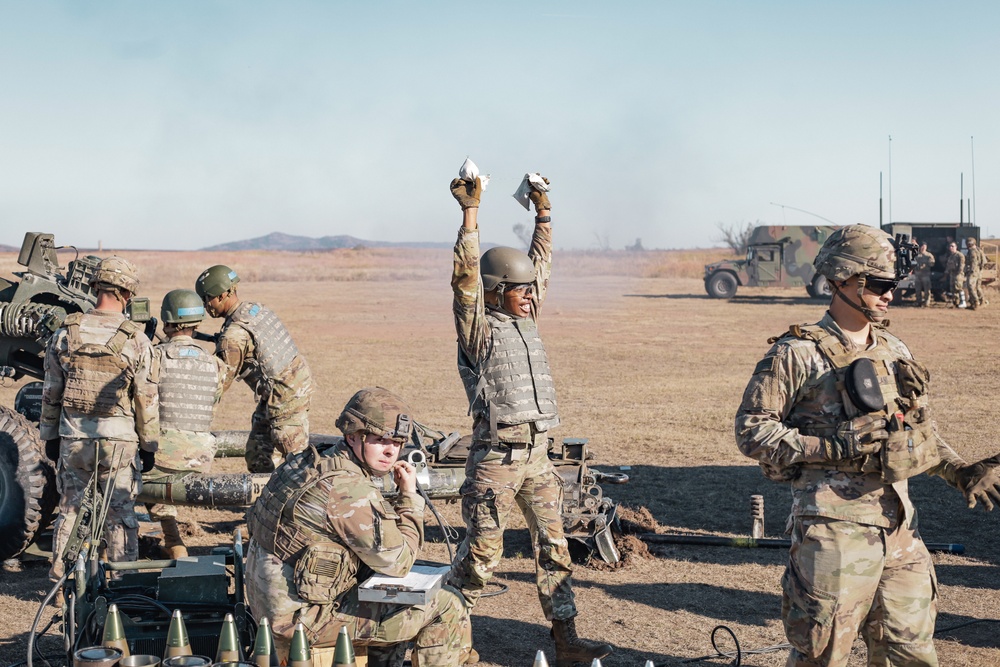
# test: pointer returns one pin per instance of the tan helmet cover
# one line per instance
(505, 265)
(857, 250)
(117, 272)
(377, 411)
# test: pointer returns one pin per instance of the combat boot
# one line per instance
(570, 648)
(173, 545)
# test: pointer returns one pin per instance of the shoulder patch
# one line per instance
(766, 365)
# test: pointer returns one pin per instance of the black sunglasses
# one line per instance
(881, 285)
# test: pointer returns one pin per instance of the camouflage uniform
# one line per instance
(922, 264)
(974, 264)
(282, 416)
(103, 411)
(856, 559)
(516, 470)
(334, 521)
(190, 385)
(956, 272)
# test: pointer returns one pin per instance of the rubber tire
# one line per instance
(28, 495)
(820, 288)
(721, 285)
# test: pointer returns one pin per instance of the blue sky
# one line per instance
(185, 124)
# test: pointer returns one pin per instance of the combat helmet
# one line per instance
(114, 273)
(377, 411)
(508, 266)
(182, 306)
(215, 280)
(857, 250)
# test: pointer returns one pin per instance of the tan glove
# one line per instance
(981, 482)
(540, 199)
(467, 193)
(856, 438)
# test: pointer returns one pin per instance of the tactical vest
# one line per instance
(97, 380)
(275, 348)
(912, 448)
(323, 569)
(189, 379)
(513, 385)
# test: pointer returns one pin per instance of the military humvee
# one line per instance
(777, 256)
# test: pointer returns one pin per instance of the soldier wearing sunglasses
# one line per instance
(512, 398)
(839, 409)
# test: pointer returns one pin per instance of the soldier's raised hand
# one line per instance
(467, 193)
(539, 198)
(980, 482)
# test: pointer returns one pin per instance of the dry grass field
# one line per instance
(651, 371)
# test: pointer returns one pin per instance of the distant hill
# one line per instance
(279, 241)
(8, 248)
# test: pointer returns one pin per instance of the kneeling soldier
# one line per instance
(321, 525)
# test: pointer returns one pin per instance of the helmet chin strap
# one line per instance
(499, 290)
(870, 315)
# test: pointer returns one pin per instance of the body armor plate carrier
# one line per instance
(513, 384)
(275, 348)
(912, 445)
(323, 569)
(189, 379)
(97, 378)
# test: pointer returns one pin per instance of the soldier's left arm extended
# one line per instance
(541, 255)
(386, 538)
(52, 387)
(145, 395)
(950, 464)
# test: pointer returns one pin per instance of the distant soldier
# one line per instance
(258, 349)
(321, 525)
(974, 264)
(191, 381)
(505, 369)
(956, 275)
(99, 410)
(840, 410)
(922, 264)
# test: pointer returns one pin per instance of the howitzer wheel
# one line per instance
(27, 484)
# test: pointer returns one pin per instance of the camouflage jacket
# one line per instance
(975, 262)
(469, 307)
(182, 450)
(923, 263)
(347, 508)
(293, 387)
(956, 264)
(793, 389)
(134, 419)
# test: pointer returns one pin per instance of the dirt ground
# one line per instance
(651, 371)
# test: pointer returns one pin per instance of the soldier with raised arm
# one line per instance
(99, 411)
(839, 409)
(507, 379)
(258, 349)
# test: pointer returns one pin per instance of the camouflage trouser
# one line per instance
(276, 427)
(974, 289)
(440, 630)
(496, 480)
(842, 577)
(77, 462)
(923, 283)
(956, 286)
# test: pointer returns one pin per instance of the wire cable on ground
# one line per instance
(739, 652)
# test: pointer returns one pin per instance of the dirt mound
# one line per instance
(637, 520)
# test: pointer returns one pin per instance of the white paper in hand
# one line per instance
(469, 172)
(528, 183)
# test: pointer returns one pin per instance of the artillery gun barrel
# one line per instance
(233, 444)
(762, 543)
(211, 490)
